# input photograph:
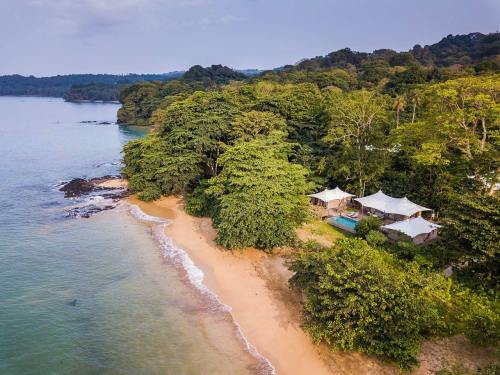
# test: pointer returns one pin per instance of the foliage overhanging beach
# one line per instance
(245, 152)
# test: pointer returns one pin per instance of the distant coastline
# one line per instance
(66, 100)
(93, 101)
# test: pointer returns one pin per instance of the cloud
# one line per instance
(228, 18)
(87, 17)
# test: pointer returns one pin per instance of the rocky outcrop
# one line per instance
(92, 197)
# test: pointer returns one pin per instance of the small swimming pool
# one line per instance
(344, 223)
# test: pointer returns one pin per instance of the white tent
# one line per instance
(331, 195)
(412, 227)
(390, 205)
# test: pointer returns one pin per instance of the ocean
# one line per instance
(103, 295)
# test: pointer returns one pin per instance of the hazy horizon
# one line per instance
(50, 37)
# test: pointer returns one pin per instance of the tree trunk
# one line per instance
(483, 139)
(414, 112)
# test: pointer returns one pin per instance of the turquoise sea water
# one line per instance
(136, 311)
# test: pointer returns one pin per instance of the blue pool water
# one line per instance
(345, 222)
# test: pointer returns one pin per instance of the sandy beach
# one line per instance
(255, 285)
(113, 183)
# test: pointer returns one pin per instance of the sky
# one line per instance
(49, 37)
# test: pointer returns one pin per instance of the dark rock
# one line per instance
(88, 211)
(72, 303)
(97, 198)
(77, 187)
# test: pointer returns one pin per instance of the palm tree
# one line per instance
(399, 105)
(415, 99)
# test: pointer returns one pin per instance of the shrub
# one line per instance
(367, 224)
(199, 203)
(360, 298)
(149, 194)
(376, 238)
(477, 316)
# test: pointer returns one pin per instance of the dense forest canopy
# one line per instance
(386, 70)
(246, 151)
(467, 49)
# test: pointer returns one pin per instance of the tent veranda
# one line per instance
(389, 205)
(332, 200)
(330, 195)
(417, 228)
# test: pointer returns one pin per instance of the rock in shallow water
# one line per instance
(87, 211)
(77, 187)
(96, 198)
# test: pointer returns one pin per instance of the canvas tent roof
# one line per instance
(413, 226)
(330, 195)
(390, 205)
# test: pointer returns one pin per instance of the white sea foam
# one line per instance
(179, 257)
(139, 214)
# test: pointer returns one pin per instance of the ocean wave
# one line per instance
(180, 257)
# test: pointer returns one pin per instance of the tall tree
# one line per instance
(415, 101)
(199, 123)
(458, 128)
(260, 194)
(399, 105)
(356, 135)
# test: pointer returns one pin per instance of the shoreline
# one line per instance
(254, 285)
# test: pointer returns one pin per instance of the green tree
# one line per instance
(356, 136)
(155, 166)
(358, 298)
(366, 225)
(249, 125)
(399, 105)
(260, 194)
(458, 128)
(200, 124)
(473, 221)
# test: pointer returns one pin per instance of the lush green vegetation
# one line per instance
(360, 298)
(363, 298)
(367, 225)
(245, 152)
(141, 100)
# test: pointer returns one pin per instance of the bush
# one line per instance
(477, 316)
(149, 194)
(376, 238)
(199, 203)
(360, 298)
(367, 224)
